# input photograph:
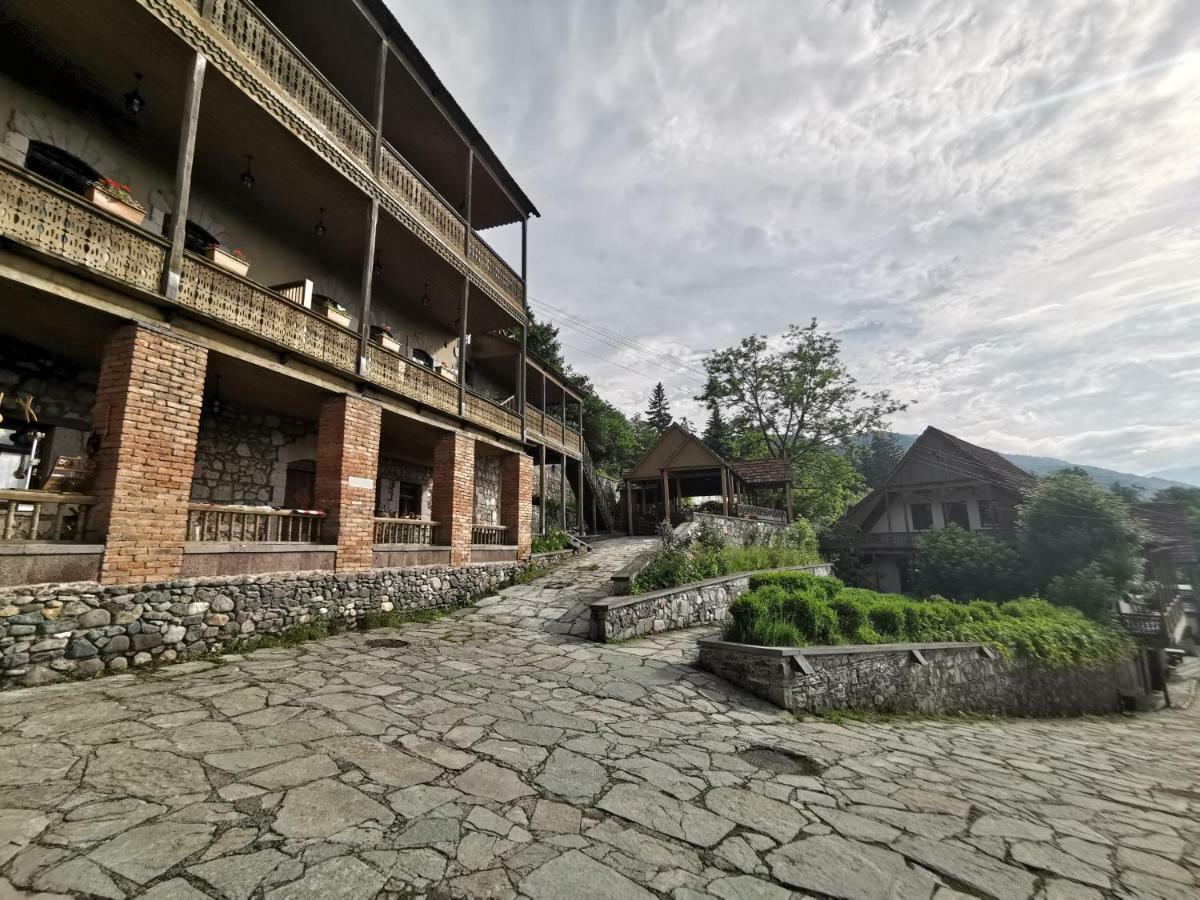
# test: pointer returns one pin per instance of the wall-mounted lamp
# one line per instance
(319, 228)
(248, 176)
(134, 101)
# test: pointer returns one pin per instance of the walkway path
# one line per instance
(477, 758)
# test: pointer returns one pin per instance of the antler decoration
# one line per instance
(26, 404)
(1, 405)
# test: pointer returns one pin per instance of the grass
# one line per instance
(797, 609)
(554, 540)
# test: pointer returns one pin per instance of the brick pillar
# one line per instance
(347, 462)
(454, 494)
(147, 414)
(516, 500)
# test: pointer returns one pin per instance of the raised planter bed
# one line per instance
(130, 212)
(922, 678)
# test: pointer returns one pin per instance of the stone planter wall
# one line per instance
(735, 530)
(921, 678)
(699, 603)
(47, 631)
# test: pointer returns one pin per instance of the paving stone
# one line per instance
(154, 775)
(324, 808)
(745, 887)
(778, 820)
(143, 853)
(420, 799)
(294, 772)
(78, 876)
(576, 875)
(573, 776)
(837, 867)
(381, 763)
(236, 877)
(1152, 864)
(977, 871)
(666, 815)
(1056, 862)
(175, 889)
(1009, 827)
(438, 754)
(488, 780)
(556, 817)
(96, 821)
(343, 876)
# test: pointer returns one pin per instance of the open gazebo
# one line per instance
(681, 466)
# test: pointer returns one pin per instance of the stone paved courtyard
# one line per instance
(491, 754)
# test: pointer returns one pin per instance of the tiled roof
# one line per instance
(991, 463)
(1169, 527)
(763, 471)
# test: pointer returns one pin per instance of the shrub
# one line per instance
(1087, 590)
(813, 618)
(963, 565)
(823, 586)
(551, 541)
(851, 613)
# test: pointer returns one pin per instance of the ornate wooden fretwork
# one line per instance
(394, 372)
(493, 415)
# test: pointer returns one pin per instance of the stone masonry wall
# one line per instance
(62, 390)
(487, 490)
(700, 603)
(735, 531)
(85, 628)
(393, 471)
(952, 678)
(237, 455)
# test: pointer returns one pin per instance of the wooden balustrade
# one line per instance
(547, 430)
(412, 191)
(237, 301)
(762, 513)
(492, 415)
(488, 535)
(506, 282)
(44, 515)
(411, 379)
(214, 523)
(252, 33)
(405, 531)
(44, 217)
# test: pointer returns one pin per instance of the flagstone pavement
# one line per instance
(493, 754)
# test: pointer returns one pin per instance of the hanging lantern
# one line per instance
(319, 228)
(134, 101)
(248, 176)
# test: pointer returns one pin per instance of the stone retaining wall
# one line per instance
(735, 530)
(922, 678)
(699, 603)
(47, 631)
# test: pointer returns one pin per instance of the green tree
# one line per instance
(877, 458)
(1088, 590)
(963, 565)
(716, 431)
(658, 414)
(800, 399)
(542, 341)
(826, 485)
(1189, 499)
(1130, 493)
(1070, 524)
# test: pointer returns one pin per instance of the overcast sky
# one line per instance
(993, 204)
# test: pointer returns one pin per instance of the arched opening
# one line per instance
(60, 167)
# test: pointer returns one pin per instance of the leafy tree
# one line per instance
(1189, 499)
(1070, 524)
(717, 432)
(963, 565)
(877, 458)
(800, 399)
(826, 485)
(1088, 590)
(658, 414)
(1130, 493)
(542, 341)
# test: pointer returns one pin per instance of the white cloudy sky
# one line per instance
(995, 204)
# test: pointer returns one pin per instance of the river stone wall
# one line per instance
(920, 678)
(698, 603)
(238, 455)
(48, 631)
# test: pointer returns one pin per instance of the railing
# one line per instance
(405, 531)
(421, 200)
(263, 44)
(891, 539)
(213, 523)
(488, 535)
(44, 515)
(762, 513)
(551, 431)
(1152, 626)
(240, 302)
(507, 282)
(394, 372)
(492, 415)
(42, 216)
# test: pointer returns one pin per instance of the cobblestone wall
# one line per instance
(734, 530)
(487, 490)
(700, 603)
(923, 678)
(62, 390)
(85, 628)
(237, 455)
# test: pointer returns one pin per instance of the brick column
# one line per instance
(147, 414)
(454, 494)
(516, 501)
(347, 462)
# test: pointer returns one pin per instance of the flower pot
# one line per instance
(386, 341)
(127, 211)
(333, 315)
(228, 261)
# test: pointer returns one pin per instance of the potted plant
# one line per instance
(234, 260)
(115, 198)
(382, 335)
(335, 312)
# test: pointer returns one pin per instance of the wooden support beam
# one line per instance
(666, 495)
(462, 347)
(788, 488)
(368, 280)
(542, 493)
(169, 284)
(724, 491)
(629, 506)
(562, 490)
(380, 87)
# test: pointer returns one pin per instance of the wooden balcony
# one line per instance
(546, 430)
(42, 217)
(255, 55)
(405, 532)
(214, 523)
(895, 540)
(488, 535)
(37, 516)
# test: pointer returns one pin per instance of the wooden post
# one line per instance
(595, 521)
(629, 507)
(462, 348)
(788, 488)
(666, 495)
(380, 84)
(724, 491)
(171, 273)
(579, 497)
(542, 493)
(368, 278)
(562, 490)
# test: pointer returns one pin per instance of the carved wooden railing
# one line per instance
(43, 515)
(488, 535)
(213, 523)
(421, 200)
(891, 539)
(405, 531)
(492, 415)
(761, 513)
(265, 46)
(396, 373)
(40, 215)
(487, 263)
(237, 301)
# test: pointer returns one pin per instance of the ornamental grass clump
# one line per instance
(800, 609)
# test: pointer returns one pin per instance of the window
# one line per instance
(59, 166)
(922, 516)
(955, 513)
(422, 357)
(195, 239)
(987, 514)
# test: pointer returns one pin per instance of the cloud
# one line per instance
(994, 205)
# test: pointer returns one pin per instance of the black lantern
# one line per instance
(134, 101)
(319, 228)
(248, 176)
(214, 400)
(425, 296)
(377, 268)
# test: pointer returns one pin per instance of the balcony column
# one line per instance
(516, 500)
(521, 372)
(579, 497)
(562, 491)
(454, 494)
(368, 268)
(147, 416)
(466, 296)
(347, 464)
(542, 493)
(183, 178)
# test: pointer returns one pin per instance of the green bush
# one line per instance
(887, 618)
(551, 541)
(851, 613)
(823, 586)
(812, 617)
